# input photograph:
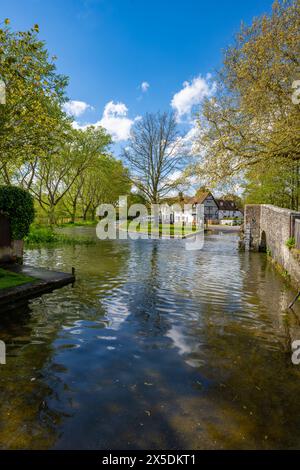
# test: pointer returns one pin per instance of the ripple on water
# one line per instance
(154, 347)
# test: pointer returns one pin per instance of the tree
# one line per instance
(155, 155)
(97, 188)
(233, 197)
(202, 189)
(31, 120)
(20, 169)
(278, 185)
(93, 147)
(136, 198)
(252, 118)
(51, 178)
(63, 168)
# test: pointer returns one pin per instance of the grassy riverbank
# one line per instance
(40, 235)
(86, 223)
(162, 229)
(9, 279)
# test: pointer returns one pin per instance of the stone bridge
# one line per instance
(267, 228)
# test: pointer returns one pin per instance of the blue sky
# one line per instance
(108, 48)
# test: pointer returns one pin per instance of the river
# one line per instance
(155, 347)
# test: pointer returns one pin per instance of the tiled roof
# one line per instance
(199, 199)
(226, 205)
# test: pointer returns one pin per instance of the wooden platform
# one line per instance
(45, 281)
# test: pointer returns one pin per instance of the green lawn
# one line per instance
(83, 223)
(9, 279)
(163, 229)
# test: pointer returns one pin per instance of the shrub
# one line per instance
(39, 234)
(290, 243)
(17, 205)
(45, 236)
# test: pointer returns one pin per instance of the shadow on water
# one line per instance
(154, 347)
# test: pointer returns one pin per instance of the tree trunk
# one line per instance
(73, 215)
(51, 215)
(85, 211)
(93, 213)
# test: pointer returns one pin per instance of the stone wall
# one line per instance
(269, 228)
(12, 253)
(5, 254)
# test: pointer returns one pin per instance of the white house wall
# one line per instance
(223, 213)
(211, 210)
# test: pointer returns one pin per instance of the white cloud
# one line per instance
(192, 94)
(187, 143)
(114, 120)
(76, 108)
(192, 134)
(144, 86)
(115, 109)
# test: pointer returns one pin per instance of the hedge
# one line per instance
(18, 206)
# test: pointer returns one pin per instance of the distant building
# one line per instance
(228, 209)
(211, 209)
(172, 208)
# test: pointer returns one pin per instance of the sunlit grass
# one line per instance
(10, 279)
(83, 223)
(160, 229)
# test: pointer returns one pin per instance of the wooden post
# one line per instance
(295, 300)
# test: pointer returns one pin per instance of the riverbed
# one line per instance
(155, 347)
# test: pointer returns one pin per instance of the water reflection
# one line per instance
(154, 347)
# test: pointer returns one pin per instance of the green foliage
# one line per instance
(17, 204)
(68, 171)
(45, 236)
(102, 182)
(32, 120)
(277, 184)
(290, 243)
(202, 189)
(40, 234)
(252, 117)
(82, 223)
(136, 198)
(235, 198)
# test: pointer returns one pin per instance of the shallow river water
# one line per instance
(154, 347)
